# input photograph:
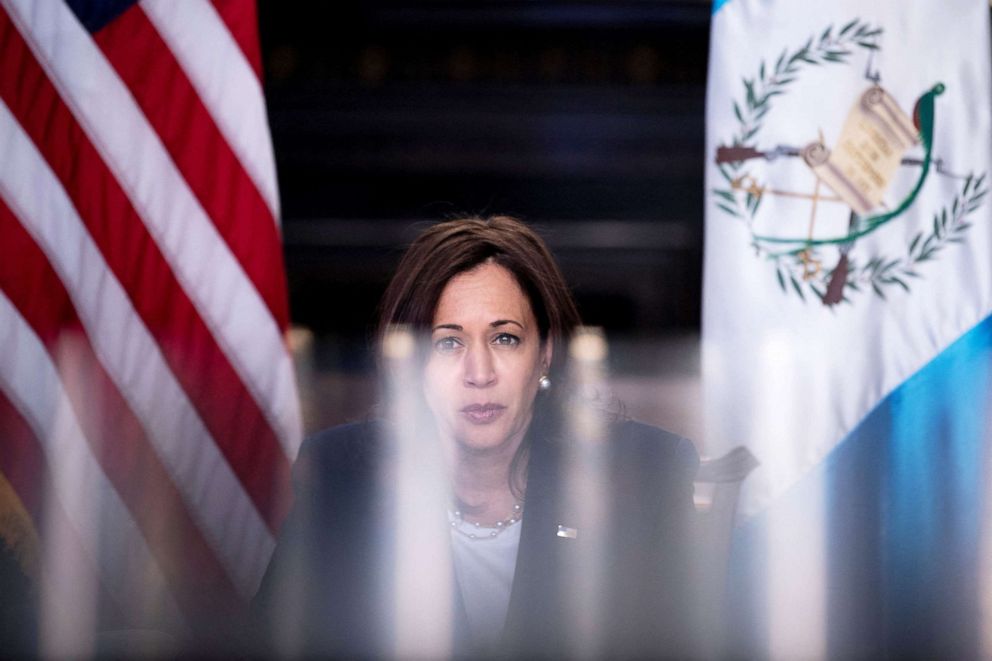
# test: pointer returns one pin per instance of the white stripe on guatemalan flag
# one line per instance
(834, 401)
(211, 276)
(212, 492)
(225, 82)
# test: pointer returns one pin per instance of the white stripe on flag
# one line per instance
(225, 82)
(202, 262)
(229, 520)
(30, 380)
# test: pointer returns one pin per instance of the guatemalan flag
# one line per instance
(148, 408)
(847, 329)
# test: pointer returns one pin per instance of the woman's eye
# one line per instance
(506, 340)
(446, 345)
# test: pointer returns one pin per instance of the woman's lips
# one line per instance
(482, 414)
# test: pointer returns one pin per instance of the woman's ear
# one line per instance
(547, 353)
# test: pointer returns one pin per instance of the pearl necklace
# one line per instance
(477, 530)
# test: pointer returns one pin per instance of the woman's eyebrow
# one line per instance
(503, 322)
(495, 324)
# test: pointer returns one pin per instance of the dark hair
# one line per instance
(447, 249)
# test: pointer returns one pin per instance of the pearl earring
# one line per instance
(544, 383)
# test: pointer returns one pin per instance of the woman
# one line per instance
(496, 320)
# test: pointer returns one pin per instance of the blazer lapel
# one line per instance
(544, 560)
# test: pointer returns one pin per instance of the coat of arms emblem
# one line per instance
(862, 172)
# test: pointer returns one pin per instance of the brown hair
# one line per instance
(449, 248)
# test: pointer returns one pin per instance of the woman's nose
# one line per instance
(479, 368)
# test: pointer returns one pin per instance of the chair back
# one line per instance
(718, 485)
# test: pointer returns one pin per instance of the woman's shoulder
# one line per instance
(344, 448)
(341, 436)
(654, 447)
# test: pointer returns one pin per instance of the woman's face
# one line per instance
(485, 361)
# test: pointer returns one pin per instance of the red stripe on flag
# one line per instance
(208, 164)
(23, 463)
(112, 430)
(241, 19)
(227, 408)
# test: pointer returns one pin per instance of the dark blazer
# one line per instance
(324, 584)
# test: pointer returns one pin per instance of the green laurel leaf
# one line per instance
(732, 212)
(847, 27)
(799, 290)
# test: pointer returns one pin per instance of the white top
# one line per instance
(484, 568)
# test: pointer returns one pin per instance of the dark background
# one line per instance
(583, 118)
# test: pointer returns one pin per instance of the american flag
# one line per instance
(148, 409)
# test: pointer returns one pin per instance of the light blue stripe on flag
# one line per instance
(905, 493)
(717, 4)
